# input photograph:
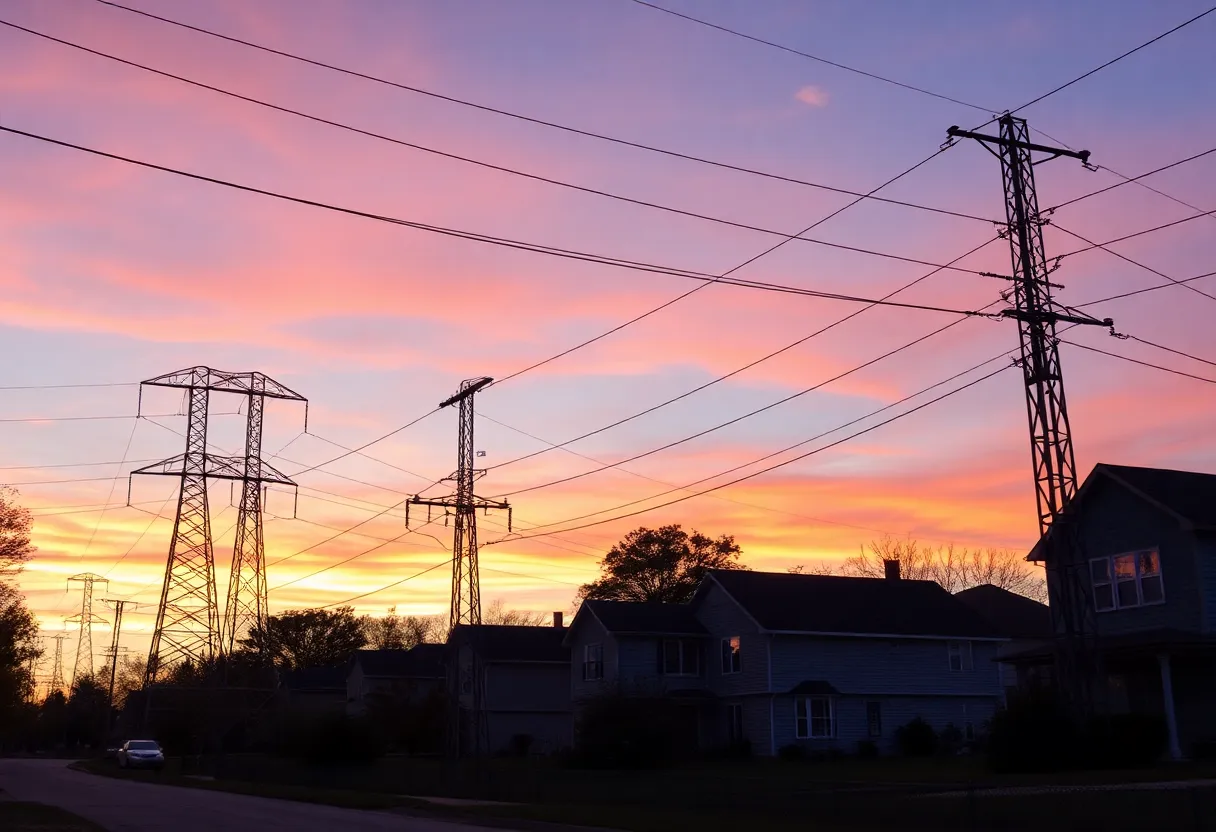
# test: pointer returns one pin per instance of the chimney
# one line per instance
(891, 568)
(557, 619)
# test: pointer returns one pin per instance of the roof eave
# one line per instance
(833, 634)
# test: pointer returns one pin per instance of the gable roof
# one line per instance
(650, 617)
(1012, 615)
(315, 679)
(507, 643)
(423, 660)
(784, 602)
(1187, 496)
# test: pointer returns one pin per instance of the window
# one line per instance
(734, 723)
(732, 656)
(959, 654)
(874, 719)
(1128, 580)
(593, 662)
(814, 717)
(681, 657)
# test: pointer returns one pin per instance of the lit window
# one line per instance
(1127, 580)
(732, 656)
(959, 655)
(814, 717)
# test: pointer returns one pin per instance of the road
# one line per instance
(125, 806)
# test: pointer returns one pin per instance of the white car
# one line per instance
(141, 754)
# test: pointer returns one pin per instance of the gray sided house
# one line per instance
(399, 675)
(1144, 562)
(775, 659)
(521, 676)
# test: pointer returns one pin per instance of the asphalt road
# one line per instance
(125, 806)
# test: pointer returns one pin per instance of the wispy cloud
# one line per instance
(813, 96)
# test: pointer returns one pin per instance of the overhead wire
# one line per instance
(1138, 361)
(1128, 180)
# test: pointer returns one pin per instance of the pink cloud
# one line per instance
(813, 96)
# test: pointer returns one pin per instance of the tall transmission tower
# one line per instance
(57, 665)
(247, 605)
(83, 665)
(466, 581)
(1054, 464)
(187, 620)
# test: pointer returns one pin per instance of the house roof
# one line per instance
(1188, 496)
(423, 660)
(651, 617)
(1012, 615)
(787, 602)
(315, 679)
(507, 643)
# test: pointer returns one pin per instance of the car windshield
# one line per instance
(142, 745)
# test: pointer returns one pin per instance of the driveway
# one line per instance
(125, 806)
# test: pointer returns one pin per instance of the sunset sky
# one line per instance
(110, 274)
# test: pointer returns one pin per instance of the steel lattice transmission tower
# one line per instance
(57, 666)
(84, 643)
(466, 581)
(247, 605)
(188, 620)
(1037, 314)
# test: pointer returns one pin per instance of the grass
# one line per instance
(17, 816)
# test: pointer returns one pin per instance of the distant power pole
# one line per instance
(466, 581)
(57, 666)
(119, 607)
(1055, 472)
(84, 644)
(188, 625)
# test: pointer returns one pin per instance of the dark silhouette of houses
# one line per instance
(402, 675)
(314, 690)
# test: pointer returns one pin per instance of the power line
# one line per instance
(721, 425)
(1112, 60)
(771, 467)
(37, 467)
(82, 418)
(388, 586)
(499, 241)
(1146, 289)
(1137, 361)
(737, 371)
(815, 58)
(454, 156)
(356, 556)
(721, 276)
(1130, 236)
(484, 108)
(1146, 342)
(1127, 180)
(67, 386)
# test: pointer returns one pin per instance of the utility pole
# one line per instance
(119, 607)
(466, 581)
(188, 619)
(84, 643)
(1054, 464)
(57, 666)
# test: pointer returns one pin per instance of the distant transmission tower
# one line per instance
(466, 581)
(83, 665)
(188, 620)
(1054, 464)
(57, 665)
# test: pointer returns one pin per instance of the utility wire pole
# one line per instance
(188, 627)
(57, 666)
(119, 607)
(1051, 445)
(466, 581)
(84, 643)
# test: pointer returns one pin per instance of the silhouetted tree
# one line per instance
(15, 528)
(18, 627)
(299, 639)
(86, 711)
(664, 564)
(401, 632)
(955, 569)
(497, 613)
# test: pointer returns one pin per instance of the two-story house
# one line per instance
(780, 659)
(398, 675)
(1140, 560)
(518, 680)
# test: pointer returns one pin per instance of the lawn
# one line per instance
(16, 816)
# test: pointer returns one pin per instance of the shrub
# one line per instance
(916, 739)
(949, 739)
(867, 749)
(331, 738)
(1123, 741)
(627, 732)
(520, 745)
(792, 753)
(1203, 750)
(1031, 734)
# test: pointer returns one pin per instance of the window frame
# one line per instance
(966, 656)
(687, 647)
(804, 723)
(873, 719)
(589, 663)
(734, 722)
(732, 655)
(1111, 581)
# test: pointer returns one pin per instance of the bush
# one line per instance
(520, 745)
(628, 732)
(867, 749)
(792, 753)
(916, 739)
(1123, 741)
(949, 739)
(1203, 750)
(331, 738)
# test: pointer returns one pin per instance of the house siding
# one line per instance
(722, 616)
(639, 672)
(1117, 521)
(589, 630)
(1205, 552)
